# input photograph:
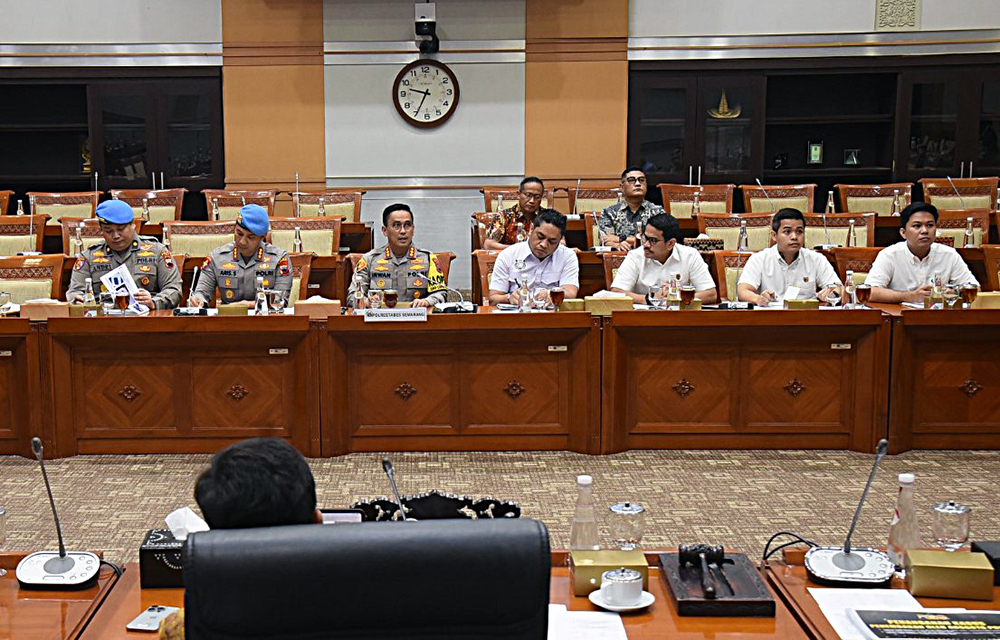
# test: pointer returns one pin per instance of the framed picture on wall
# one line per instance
(852, 157)
(814, 153)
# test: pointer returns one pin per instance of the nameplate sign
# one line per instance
(413, 314)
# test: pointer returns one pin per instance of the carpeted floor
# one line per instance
(735, 498)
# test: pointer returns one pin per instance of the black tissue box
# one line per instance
(160, 562)
(992, 551)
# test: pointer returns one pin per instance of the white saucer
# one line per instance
(645, 600)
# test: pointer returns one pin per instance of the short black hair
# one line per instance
(529, 180)
(916, 207)
(392, 208)
(668, 226)
(629, 170)
(787, 213)
(260, 482)
(550, 216)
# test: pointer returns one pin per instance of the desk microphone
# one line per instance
(462, 306)
(955, 189)
(846, 567)
(387, 467)
(764, 191)
(56, 569)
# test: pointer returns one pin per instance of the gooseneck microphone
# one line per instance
(844, 566)
(56, 569)
(387, 467)
(764, 191)
(955, 189)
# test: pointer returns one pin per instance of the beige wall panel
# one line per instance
(263, 22)
(549, 19)
(576, 117)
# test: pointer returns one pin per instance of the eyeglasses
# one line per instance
(531, 196)
(652, 241)
(636, 179)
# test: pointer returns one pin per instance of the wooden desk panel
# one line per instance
(20, 407)
(44, 615)
(945, 391)
(461, 382)
(166, 385)
(756, 379)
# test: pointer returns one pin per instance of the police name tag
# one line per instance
(412, 314)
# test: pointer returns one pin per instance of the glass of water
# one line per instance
(951, 525)
(833, 298)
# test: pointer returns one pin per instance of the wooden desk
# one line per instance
(945, 389)
(660, 620)
(487, 381)
(167, 384)
(744, 379)
(44, 615)
(20, 408)
(790, 581)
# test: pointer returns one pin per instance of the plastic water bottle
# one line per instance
(903, 532)
(583, 530)
(88, 294)
(260, 307)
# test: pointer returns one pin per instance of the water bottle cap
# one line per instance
(907, 478)
(584, 480)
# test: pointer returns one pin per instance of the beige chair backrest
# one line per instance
(837, 228)
(951, 224)
(586, 199)
(320, 236)
(727, 228)
(678, 199)
(21, 233)
(229, 202)
(795, 196)
(161, 204)
(856, 259)
(973, 193)
(612, 260)
(30, 277)
(197, 238)
(875, 198)
(79, 204)
(728, 267)
(343, 204)
(991, 256)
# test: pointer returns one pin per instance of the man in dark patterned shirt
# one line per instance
(503, 230)
(618, 223)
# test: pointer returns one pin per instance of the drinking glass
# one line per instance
(951, 525)
(277, 300)
(968, 293)
(107, 300)
(950, 297)
(627, 520)
(374, 299)
(659, 299)
(391, 298)
(3, 535)
(833, 298)
(863, 292)
(557, 295)
(687, 295)
(121, 301)
(540, 298)
(4, 303)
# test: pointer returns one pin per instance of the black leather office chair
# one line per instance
(435, 579)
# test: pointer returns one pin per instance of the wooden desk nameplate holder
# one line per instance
(705, 581)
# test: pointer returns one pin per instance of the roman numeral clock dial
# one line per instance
(426, 93)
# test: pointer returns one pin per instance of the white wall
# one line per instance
(380, 20)
(651, 18)
(110, 21)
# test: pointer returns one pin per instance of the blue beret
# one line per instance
(115, 212)
(253, 218)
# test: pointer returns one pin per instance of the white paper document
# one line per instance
(584, 625)
(836, 605)
(120, 280)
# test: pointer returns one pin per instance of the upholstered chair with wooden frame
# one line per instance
(88, 230)
(486, 259)
(481, 222)
(678, 199)
(856, 259)
(229, 202)
(952, 224)
(877, 198)
(78, 204)
(586, 199)
(991, 258)
(320, 236)
(973, 193)
(491, 196)
(301, 264)
(340, 203)
(21, 233)
(30, 277)
(728, 268)
(727, 227)
(5, 196)
(612, 260)
(837, 228)
(445, 258)
(794, 196)
(197, 238)
(161, 204)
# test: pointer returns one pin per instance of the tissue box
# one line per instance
(586, 567)
(572, 304)
(694, 306)
(985, 300)
(233, 309)
(44, 310)
(604, 306)
(805, 303)
(317, 310)
(160, 562)
(942, 574)
(992, 551)
(80, 310)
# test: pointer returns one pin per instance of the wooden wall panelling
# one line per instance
(169, 385)
(691, 380)
(484, 382)
(945, 389)
(19, 381)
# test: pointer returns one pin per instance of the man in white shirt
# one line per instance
(904, 271)
(542, 261)
(648, 268)
(787, 270)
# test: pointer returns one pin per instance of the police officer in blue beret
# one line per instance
(149, 261)
(235, 266)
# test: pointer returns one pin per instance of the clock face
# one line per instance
(425, 93)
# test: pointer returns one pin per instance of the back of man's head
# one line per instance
(261, 482)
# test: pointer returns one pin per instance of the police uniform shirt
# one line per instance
(150, 263)
(413, 276)
(236, 276)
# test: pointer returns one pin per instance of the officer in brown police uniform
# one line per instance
(235, 266)
(150, 262)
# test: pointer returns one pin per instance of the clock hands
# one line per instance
(426, 93)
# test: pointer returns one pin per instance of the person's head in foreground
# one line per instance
(546, 233)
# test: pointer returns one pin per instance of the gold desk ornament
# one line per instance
(587, 567)
(943, 574)
(723, 112)
(804, 303)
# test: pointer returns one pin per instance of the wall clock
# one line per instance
(425, 93)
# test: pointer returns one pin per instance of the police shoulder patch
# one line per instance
(284, 268)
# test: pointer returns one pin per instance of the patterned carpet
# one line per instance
(735, 498)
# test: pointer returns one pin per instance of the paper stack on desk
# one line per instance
(584, 625)
(837, 605)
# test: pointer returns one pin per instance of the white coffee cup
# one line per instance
(621, 587)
